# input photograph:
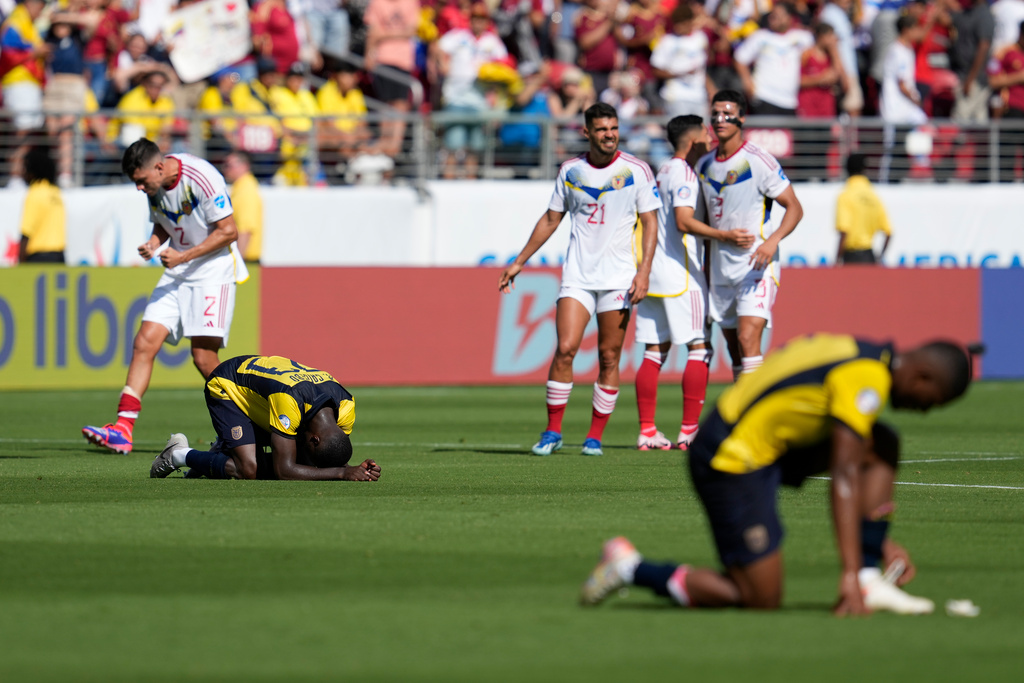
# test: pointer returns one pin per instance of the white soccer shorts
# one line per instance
(678, 319)
(191, 310)
(752, 297)
(597, 300)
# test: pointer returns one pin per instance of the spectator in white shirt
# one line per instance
(680, 59)
(774, 53)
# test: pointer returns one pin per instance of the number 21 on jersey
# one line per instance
(595, 213)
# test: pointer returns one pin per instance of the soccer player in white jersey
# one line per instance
(739, 183)
(195, 297)
(604, 191)
(674, 311)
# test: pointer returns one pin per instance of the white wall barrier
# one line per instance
(488, 222)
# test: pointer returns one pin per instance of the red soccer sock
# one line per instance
(557, 399)
(128, 408)
(647, 391)
(604, 404)
(695, 385)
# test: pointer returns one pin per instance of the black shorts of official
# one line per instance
(742, 509)
(45, 257)
(859, 256)
(390, 90)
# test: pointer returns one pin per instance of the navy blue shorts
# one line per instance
(233, 427)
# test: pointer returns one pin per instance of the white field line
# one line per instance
(952, 486)
(1008, 457)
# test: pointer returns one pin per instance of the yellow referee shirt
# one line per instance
(860, 214)
(245, 198)
(43, 219)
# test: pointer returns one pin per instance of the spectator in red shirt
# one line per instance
(273, 33)
(820, 72)
(1006, 76)
(454, 14)
(643, 25)
(103, 45)
(598, 50)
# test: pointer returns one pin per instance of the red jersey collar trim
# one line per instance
(618, 153)
(181, 169)
(731, 155)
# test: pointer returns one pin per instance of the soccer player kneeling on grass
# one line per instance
(301, 414)
(811, 407)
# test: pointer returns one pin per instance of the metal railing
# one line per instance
(517, 146)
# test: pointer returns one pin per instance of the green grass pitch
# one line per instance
(464, 562)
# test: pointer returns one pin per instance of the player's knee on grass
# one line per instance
(244, 460)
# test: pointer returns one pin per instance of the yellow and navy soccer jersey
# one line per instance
(793, 400)
(280, 395)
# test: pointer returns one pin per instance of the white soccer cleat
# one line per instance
(619, 556)
(163, 464)
(656, 442)
(881, 594)
(685, 438)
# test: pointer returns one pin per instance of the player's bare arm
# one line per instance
(848, 452)
(149, 247)
(688, 223)
(649, 242)
(284, 452)
(764, 254)
(224, 233)
(542, 232)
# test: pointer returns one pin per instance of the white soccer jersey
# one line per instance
(603, 204)
(677, 261)
(686, 58)
(738, 193)
(776, 60)
(187, 212)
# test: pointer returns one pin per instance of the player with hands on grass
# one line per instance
(301, 415)
(812, 407)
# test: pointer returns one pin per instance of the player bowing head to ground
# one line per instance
(811, 407)
(605, 192)
(739, 183)
(674, 311)
(302, 415)
(195, 297)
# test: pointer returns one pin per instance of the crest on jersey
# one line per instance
(618, 182)
(731, 177)
(236, 433)
(187, 209)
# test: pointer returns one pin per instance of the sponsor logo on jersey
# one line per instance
(684, 192)
(220, 201)
(654, 188)
(782, 175)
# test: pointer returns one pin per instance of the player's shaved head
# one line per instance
(140, 154)
(932, 374)
(682, 127)
(333, 451)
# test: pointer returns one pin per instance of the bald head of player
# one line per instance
(930, 375)
(148, 168)
(324, 442)
(602, 132)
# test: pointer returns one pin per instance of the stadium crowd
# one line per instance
(904, 60)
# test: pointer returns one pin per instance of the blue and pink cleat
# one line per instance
(109, 437)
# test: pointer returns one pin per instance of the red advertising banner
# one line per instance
(436, 326)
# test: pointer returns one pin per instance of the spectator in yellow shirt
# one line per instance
(216, 99)
(295, 105)
(43, 218)
(145, 112)
(248, 205)
(348, 134)
(859, 215)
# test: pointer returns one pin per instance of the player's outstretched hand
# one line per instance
(851, 600)
(892, 551)
(506, 283)
(762, 256)
(741, 237)
(365, 471)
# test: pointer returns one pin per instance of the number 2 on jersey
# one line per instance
(181, 236)
(596, 214)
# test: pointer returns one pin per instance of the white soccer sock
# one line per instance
(178, 456)
(656, 356)
(751, 363)
(558, 392)
(604, 399)
(699, 355)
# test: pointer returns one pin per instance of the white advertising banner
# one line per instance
(207, 36)
(487, 223)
